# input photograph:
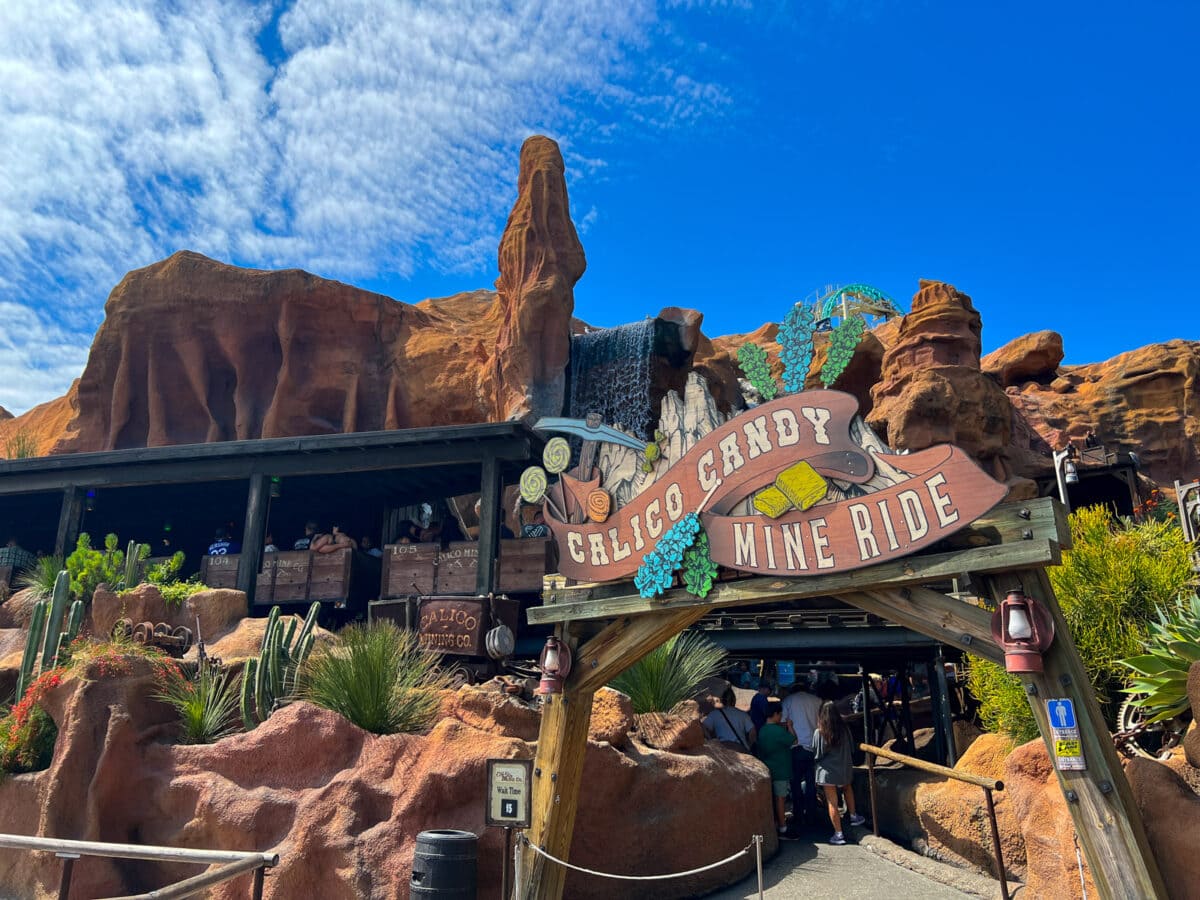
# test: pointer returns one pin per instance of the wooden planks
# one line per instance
(329, 575)
(409, 569)
(220, 571)
(522, 565)
(457, 566)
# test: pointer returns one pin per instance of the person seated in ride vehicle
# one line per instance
(332, 542)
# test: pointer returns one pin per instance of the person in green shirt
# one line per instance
(775, 750)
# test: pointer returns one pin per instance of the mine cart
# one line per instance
(421, 569)
(474, 634)
(342, 579)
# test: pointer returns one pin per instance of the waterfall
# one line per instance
(610, 375)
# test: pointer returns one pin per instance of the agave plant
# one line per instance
(207, 704)
(670, 672)
(41, 576)
(1159, 683)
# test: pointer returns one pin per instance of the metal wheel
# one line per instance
(184, 635)
(143, 633)
(1153, 741)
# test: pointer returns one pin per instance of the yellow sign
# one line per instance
(1068, 748)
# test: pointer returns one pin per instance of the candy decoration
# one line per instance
(796, 346)
(772, 502)
(533, 484)
(802, 485)
(842, 344)
(753, 362)
(557, 455)
(657, 571)
(599, 505)
(699, 570)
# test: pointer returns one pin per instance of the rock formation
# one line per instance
(931, 390)
(193, 350)
(1146, 400)
(343, 807)
(1032, 357)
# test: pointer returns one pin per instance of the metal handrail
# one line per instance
(232, 863)
(988, 785)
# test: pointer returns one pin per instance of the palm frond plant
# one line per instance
(670, 673)
(378, 677)
(1160, 675)
(207, 704)
(40, 576)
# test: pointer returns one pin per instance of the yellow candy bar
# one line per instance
(772, 502)
(802, 485)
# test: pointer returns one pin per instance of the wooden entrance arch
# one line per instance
(1007, 548)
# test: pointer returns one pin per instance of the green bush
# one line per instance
(90, 568)
(1111, 585)
(207, 704)
(167, 571)
(377, 677)
(670, 673)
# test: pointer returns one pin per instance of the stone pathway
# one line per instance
(811, 869)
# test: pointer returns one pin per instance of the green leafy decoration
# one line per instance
(753, 360)
(796, 346)
(842, 343)
(699, 570)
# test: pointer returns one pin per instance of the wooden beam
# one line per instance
(1107, 820)
(911, 570)
(562, 740)
(70, 517)
(934, 615)
(254, 535)
(489, 526)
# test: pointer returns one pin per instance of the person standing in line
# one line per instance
(729, 724)
(835, 767)
(800, 710)
(758, 705)
(775, 750)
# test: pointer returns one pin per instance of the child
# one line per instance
(775, 749)
(835, 769)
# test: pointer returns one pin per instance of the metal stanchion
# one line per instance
(991, 808)
(871, 777)
(758, 842)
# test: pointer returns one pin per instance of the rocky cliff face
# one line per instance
(193, 350)
(931, 389)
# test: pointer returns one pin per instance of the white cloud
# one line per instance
(380, 140)
(38, 360)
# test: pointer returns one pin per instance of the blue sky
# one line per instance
(731, 157)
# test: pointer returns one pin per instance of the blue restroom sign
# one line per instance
(1065, 739)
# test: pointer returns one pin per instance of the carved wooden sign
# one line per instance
(784, 457)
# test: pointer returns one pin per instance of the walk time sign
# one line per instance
(508, 792)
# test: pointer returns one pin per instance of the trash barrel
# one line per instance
(444, 865)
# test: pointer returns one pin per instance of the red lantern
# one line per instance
(1025, 629)
(555, 663)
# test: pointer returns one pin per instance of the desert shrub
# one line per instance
(109, 658)
(21, 445)
(27, 733)
(176, 592)
(670, 672)
(206, 705)
(377, 677)
(165, 572)
(41, 577)
(1111, 585)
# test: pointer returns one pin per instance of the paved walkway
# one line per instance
(811, 869)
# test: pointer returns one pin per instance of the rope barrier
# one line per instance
(562, 862)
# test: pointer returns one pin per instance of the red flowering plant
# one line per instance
(27, 733)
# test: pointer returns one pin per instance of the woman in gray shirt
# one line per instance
(832, 745)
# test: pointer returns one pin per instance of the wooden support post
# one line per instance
(562, 740)
(944, 713)
(70, 518)
(1107, 820)
(254, 535)
(489, 526)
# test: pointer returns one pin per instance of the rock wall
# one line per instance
(343, 807)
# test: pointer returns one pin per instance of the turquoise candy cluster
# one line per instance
(796, 346)
(658, 568)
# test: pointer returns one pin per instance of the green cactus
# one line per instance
(270, 680)
(58, 606)
(46, 634)
(37, 626)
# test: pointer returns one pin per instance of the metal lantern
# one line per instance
(555, 663)
(1025, 629)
